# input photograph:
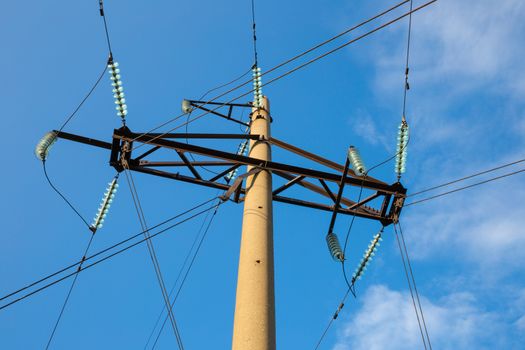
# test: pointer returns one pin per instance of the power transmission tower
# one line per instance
(254, 324)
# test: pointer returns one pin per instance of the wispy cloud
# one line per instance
(386, 320)
(483, 226)
(462, 46)
(363, 126)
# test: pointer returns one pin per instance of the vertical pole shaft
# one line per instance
(254, 323)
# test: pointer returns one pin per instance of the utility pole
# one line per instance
(254, 324)
(254, 321)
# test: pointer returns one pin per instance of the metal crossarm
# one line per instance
(390, 197)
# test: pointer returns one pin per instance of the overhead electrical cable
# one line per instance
(410, 288)
(406, 86)
(70, 117)
(192, 253)
(62, 196)
(350, 285)
(200, 99)
(293, 59)
(42, 148)
(105, 250)
(102, 13)
(188, 270)
(153, 255)
(255, 59)
(413, 282)
(282, 75)
(333, 318)
(295, 69)
(69, 291)
(465, 187)
(465, 178)
(85, 267)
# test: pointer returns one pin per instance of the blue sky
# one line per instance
(465, 110)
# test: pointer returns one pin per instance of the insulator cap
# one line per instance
(186, 106)
(334, 247)
(45, 143)
(355, 160)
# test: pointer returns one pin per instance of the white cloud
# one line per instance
(387, 320)
(481, 225)
(364, 126)
(460, 46)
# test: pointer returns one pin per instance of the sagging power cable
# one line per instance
(411, 281)
(188, 270)
(68, 295)
(111, 248)
(152, 253)
(465, 187)
(290, 71)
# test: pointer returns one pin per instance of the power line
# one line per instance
(288, 61)
(69, 291)
(188, 270)
(61, 195)
(290, 71)
(334, 317)
(68, 119)
(153, 255)
(466, 177)
(465, 187)
(413, 282)
(406, 86)
(101, 259)
(255, 62)
(351, 286)
(105, 250)
(410, 288)
(186, 259)
(101, 10)
(200, 99)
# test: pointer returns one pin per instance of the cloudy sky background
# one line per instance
(466, 114)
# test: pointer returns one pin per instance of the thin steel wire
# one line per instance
(51, 336)
(410, 288)
(290, 60)
(97, 261)
(188, 270)
(466, 178)
(153, 255)
(465, 187)
(414, 283)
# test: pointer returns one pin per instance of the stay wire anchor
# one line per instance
(101, 7)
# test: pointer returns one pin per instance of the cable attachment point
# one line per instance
(45, 143)
(356, 161)
(336, 314)
(101, 7)
(334, 247)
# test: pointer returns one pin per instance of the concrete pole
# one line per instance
(254, 323)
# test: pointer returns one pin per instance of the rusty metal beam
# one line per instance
(308, 204)
(314, 188)
(268, 165)
(177, 164)
(82, 139)
(288, 184)
(188, 164)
